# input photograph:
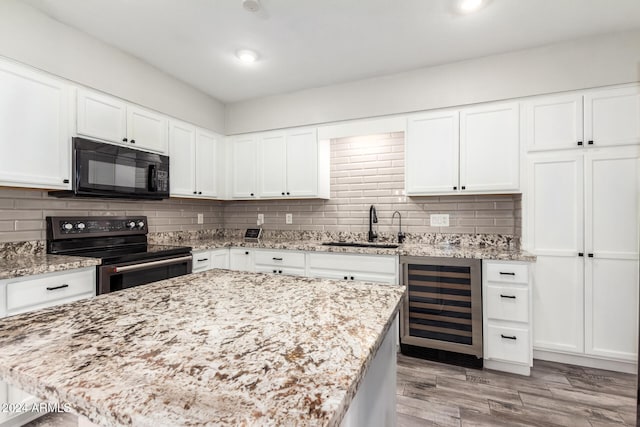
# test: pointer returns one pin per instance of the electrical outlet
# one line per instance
(260, 219)
(439, 220)
(200, 218)
(289, 218)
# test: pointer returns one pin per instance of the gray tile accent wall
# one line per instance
(370, 170)
(364, 171)
(22, 212)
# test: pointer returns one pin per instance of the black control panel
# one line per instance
(74, 227)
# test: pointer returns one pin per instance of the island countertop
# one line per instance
(215, 348)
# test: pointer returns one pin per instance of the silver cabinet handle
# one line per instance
(142, 266)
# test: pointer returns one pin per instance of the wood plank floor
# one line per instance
(435, 394)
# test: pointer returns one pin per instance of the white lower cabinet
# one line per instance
(290, 263)
(208, 259)
(241, 259)
(506, 322)
(368, 268)
(31, 293)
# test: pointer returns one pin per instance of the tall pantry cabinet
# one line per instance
(581, 213)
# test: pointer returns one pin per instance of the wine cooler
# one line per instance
(443, 306)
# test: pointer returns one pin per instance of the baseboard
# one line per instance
(507, 367)
(587, 361)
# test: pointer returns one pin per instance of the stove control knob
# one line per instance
(140, 224)
(66, 226)
(80, 226)
(131, 224)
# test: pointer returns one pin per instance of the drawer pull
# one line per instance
(507, 273)
(53, 288)
(508, 296)
(203, 259)
(277, 259)
(508, 337)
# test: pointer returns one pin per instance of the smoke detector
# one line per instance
(251, 5)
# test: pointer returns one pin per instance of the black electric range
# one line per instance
(128, 260)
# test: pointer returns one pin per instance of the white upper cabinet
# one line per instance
(100, 116)
(587, 119)
(193, 156)
(490, 148)
(147, 130)
(207, 164)
(34, 129)
(182, 154)
(612, 116)
(244, 163)
(281, 164)
(110, 119)
(272, 161)
(302, 164)
(554, 122)
(431, 153)
(473, 150)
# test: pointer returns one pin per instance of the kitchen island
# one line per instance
(215, 348)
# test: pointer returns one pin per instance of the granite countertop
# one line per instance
(216, 348)
(28, 264)
(492, 252)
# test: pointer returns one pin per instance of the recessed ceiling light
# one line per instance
(251, 5)
(468, 6)
(247, 56)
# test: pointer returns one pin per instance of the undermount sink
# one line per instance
(363, 245)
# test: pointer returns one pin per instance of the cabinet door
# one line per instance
(272, 160)
(554, 123)
(241, 260)
(489, 148)
(220, 258)
(182, 159)
(147, 130)
(206, 164)
(101, 116)
(555, 221)
(243, 163)
(302, 163)
(612, 116)
(34, 130)
(431, 154)
(611, 286)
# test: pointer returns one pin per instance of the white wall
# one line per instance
(30, 37)
(579, 64)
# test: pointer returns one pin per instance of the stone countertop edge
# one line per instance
(29, 265)
(30, 381)
(406, 249)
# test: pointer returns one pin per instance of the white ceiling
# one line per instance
(306, 44)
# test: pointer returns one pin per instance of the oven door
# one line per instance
(116, 277)
(113, 171)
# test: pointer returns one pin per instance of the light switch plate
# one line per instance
(439, 220)
(200, 218)
(289, 218)
(260, 219)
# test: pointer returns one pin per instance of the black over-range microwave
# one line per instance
(106, 170)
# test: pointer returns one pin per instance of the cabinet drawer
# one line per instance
(507, 272)
(386, 264)
(280, 258)
(507, 344)
(49, 290)
(201, 261)
(508, 303)
(288, 271)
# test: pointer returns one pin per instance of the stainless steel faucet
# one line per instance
(401, 235)
(373, 219)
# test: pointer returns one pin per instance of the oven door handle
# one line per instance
(145, 265)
